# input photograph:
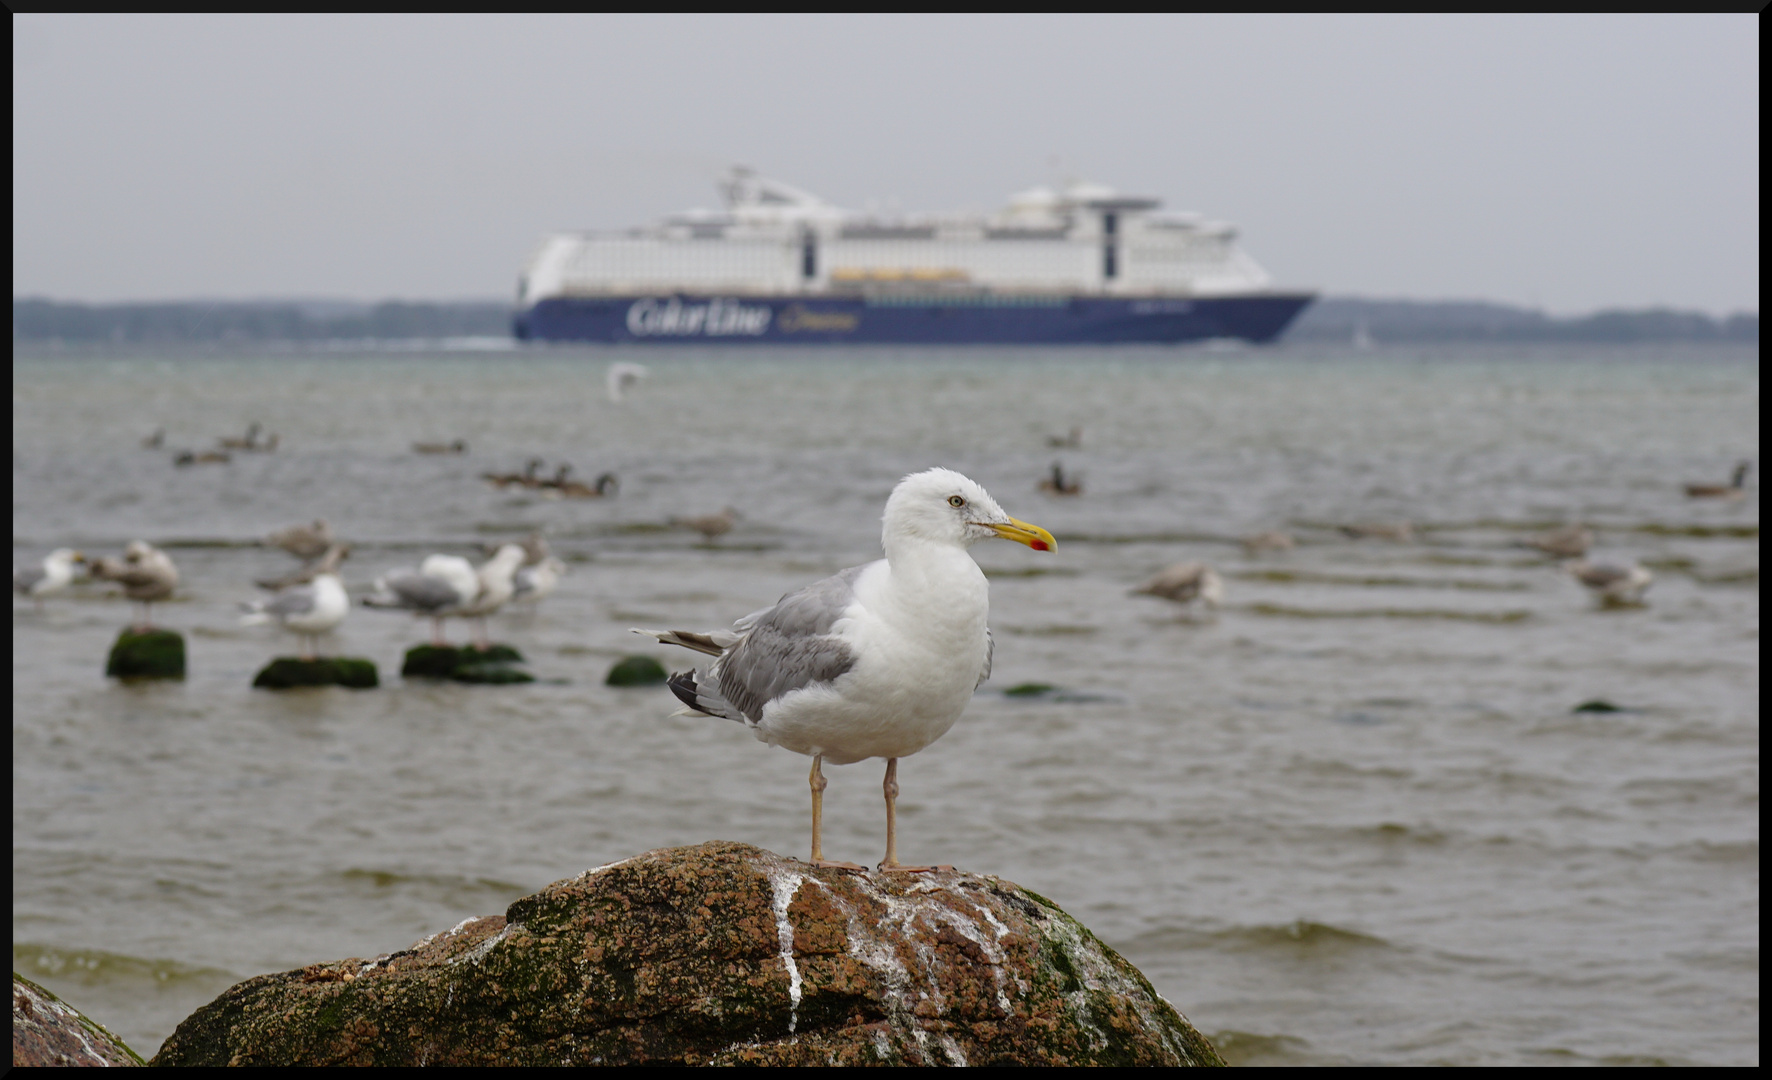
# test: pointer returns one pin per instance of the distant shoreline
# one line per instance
(1351, 320)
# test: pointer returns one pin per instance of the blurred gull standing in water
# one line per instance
(303, 541)
(497, 578)
(146, 574)
(1568, 542)
(1616, 586)
(710, 526)
(622, 377)
(533, 584)
(1272, 540)
(441, 586)
(50, 576)
(327, 564)
(309, 610)
(1185, 582)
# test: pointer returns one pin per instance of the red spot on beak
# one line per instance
(1039, 545)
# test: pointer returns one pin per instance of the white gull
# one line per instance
(309, 610)
(875, 661)
(51, 575)
(442, 585)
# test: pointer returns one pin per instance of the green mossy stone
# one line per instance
(287, 672)
(491, 673)
(441, 661)
(636, 671)
(155, 654)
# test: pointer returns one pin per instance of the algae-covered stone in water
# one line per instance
(149, 654)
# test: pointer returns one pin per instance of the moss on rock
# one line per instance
(466, 664)
(718, 954)
(287, 672)
(48, 1031)
(148, 654)
(636, 671)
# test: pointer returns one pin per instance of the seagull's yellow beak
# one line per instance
(1023, 533)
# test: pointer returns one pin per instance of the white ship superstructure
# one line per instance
(773, 241)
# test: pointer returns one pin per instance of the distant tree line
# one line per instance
(49, 320)
(1347, 319)
(1341, 319)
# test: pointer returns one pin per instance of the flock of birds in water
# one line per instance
(311, 600)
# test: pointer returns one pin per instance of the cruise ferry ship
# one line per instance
(1083, 264)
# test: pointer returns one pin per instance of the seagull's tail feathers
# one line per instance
(701, 698)
(713, 644)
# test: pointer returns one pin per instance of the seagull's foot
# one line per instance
(899, 868)
(827, 864)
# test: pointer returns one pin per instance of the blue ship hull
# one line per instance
(908, 320)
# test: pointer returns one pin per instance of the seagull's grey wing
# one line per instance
(788, 647)
(419, 592)
(26, 578)
(1605, 574)
(297, 601)
(990, 649)
(523, 581)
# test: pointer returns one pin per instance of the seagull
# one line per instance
(710, 526)
(1272, 540)
(146, 574)
(1732, 490)
(497, 583)
(1568, 542)
(1615, 585)
(51, 575)
(327, 564)
(442, 585)
(303, 541)
(1184, 583)
(877, 661)
(621, 377)
(533, 584)
(309, 610)
(1072, 440)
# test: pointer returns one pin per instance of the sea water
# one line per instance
(1354, 816)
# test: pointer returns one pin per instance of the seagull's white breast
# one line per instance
(917, 630)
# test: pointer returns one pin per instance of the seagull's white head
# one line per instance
(945, 507)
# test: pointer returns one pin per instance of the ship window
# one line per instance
(1109, 263)
(1110, 224)
(809, 257)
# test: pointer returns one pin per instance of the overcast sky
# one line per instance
(1568, 162)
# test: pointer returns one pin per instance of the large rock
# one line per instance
(718, 954)
(147, 654)
(291, 672)
(496, 664)
(48, 1031)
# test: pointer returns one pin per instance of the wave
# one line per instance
(92, 967)
(1282, 611)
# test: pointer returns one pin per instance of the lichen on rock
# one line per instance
(718, 954)
(48, 1031)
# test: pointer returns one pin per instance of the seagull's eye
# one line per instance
(956, 500)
